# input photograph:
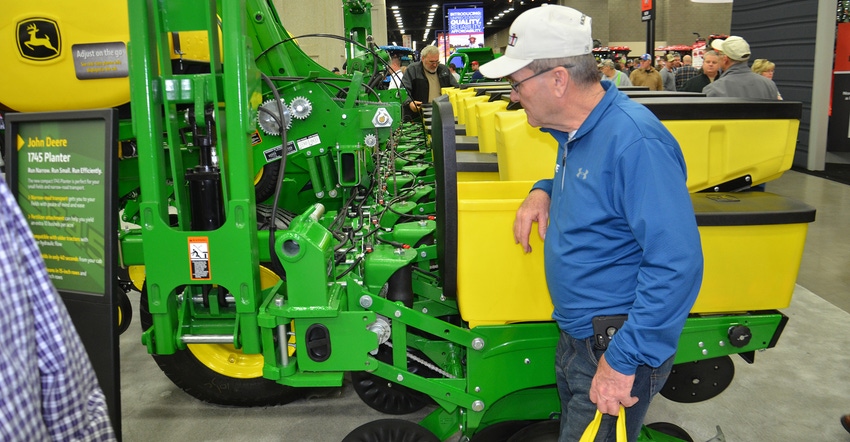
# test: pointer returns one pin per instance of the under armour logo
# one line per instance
(557, 167)
(582, 173)
(512, 40)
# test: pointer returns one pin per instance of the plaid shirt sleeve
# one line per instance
(48, 385)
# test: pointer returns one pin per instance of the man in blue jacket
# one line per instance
(620, 235)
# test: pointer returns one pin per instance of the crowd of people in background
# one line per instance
(725, 59)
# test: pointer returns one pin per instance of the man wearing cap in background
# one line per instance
(476, 74)
(668, 74)
(737, 80)
(616, 218)
(646, 75)
(611, 73)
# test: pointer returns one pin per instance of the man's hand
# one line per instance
(611, 388)
(415, 106)
(534, 208)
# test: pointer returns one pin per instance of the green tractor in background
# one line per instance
(462, 58)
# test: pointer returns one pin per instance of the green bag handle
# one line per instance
(593, 427)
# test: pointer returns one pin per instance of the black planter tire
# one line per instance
(391, 430)
(220, 386)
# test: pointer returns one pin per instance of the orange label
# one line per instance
(199, 258)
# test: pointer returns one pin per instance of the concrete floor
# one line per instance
(794, 392)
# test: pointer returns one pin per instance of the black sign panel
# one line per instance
(60, 167)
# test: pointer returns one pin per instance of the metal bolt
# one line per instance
(478, 405)
(423, 254)
(527, 361)
(477, 344)
(722, 343)
(704, 352)
(365, 301)
(425, 310)
(478, 389)
(398, 313)
(701, 344)
(400, 378)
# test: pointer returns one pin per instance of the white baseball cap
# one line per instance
(548, 31)
(733, 47)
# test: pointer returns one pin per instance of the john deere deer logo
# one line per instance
(39, 39)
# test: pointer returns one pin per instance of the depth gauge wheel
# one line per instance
(391, 430)
(389, 397)
(542, 431)
(500, 432)
(220, 373)
(669, 429)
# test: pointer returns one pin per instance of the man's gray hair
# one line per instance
(428, 50)
(582, 68)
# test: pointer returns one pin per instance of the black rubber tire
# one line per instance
(125, 311)
(670, 430)
(541, 431)
(200, 382)
(500, 432)
(391, 430)
(264, 188)
(387, 396)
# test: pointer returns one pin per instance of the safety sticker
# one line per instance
(275, 152)
(308, 141)
(256, 138)
(199, 258)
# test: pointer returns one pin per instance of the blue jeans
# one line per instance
(575, 365)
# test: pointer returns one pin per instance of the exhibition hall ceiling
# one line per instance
(417, 16)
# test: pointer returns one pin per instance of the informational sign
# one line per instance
(466, 28)
(60, 191)
(60, 167)
(647, 10)
(100, 60)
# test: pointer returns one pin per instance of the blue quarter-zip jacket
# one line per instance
(622, 236)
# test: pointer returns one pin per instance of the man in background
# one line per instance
(612, 74)
(737, 80)
(424, 81)
(685, 72)
(646, 75)
(476, 74)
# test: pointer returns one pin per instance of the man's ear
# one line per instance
(562, 79)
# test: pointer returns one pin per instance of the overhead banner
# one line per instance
(466, 28)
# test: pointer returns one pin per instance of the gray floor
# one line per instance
(794, 392)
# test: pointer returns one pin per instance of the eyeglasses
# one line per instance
(515, 85)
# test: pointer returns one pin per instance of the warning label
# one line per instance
(199, 257)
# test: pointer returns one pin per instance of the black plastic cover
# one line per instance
(749, 208)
